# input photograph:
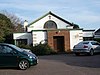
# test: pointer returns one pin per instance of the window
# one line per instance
(21, 41)
(1, 49)
(50, 24)
(87, 38)
(85, 42)
(5, 49)
(95, 43)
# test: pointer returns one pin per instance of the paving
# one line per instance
(62, 64)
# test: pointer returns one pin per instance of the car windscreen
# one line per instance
(83, 43)
(95, 43)
(17, 48)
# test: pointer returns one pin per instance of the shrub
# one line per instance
(25, 46)
(42, 49)
(97, 39)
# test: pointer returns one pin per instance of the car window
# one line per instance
(95, 43)
(1, 49)
(85, 42)
(5, 49)
(17, 48)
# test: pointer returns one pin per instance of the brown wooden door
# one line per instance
(58, 43)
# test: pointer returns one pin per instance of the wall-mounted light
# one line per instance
(58, 32)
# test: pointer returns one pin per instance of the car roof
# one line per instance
(86, 42)
(89, 41)
(5, 44)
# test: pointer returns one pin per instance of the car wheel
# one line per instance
(23, 64)
(91, 52)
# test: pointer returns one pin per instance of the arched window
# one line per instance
(50, 24)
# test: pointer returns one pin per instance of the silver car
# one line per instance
(87, 47)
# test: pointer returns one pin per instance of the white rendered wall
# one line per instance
(76, 36)
(40, 24)
(27, 36)
(39, 36)
(88, 33)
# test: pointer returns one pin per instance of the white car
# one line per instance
(89, 47)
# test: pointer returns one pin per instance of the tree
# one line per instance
(5, 27)
(75, 26)
(1, 36)
(9, 23)
(17, 22)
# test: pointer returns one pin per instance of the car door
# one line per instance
(96, 46)
(1, 56)
(7, 58)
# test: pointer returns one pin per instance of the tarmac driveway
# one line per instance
(63, 64)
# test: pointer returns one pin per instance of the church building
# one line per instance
(58, 33)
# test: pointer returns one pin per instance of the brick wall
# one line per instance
(64, 33)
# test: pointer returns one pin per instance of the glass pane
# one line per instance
(50, 24)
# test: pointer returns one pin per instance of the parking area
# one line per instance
(62, 64)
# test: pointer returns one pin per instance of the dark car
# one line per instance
(13, 56)
(87, 47)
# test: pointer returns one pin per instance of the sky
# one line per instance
(85, 13)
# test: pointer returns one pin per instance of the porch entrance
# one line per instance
(58, 42)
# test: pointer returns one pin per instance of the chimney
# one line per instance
(25, 25)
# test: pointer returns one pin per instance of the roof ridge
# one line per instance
(53, 15)
(39, 18)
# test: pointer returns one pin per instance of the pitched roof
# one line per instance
(97, 32)
(89, 30)
(54, 16)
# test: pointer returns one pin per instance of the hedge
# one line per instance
(40, 49)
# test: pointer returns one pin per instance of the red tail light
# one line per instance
(85, 46)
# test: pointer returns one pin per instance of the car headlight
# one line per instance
(30, 56)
